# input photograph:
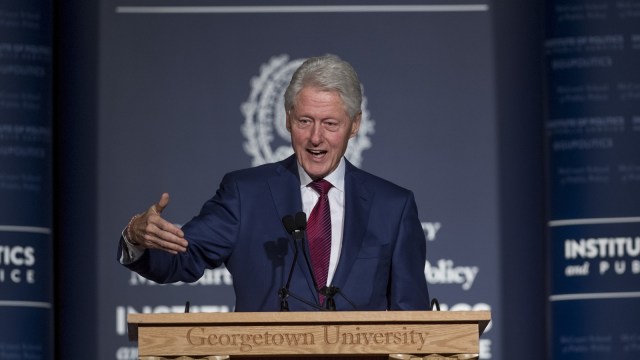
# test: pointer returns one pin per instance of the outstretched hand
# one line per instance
(150, 231)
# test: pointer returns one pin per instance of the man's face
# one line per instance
(320, 130)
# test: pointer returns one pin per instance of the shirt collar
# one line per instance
(336, 177)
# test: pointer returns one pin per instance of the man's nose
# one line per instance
(316, 133)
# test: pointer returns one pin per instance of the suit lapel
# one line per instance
(285, 188)
(356, 214)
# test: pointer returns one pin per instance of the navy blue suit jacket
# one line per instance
(381, 265)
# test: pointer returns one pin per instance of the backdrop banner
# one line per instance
(188, 93)
(26, 328)
(593, 131)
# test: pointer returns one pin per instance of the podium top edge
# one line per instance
(481, 317)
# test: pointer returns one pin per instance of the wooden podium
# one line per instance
(309, 335)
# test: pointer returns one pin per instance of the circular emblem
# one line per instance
(264, 128)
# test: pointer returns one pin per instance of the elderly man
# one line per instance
(364, 247)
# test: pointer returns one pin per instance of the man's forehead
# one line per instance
(313, 92)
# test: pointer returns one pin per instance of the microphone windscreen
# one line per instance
(301, 221)
(289, 224)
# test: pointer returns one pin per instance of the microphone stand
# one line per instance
(313, 278)
(301, 225)
(296, 229)
(330, 293)
(284, 292)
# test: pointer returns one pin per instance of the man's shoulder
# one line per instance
(374, 182)
(261, 171)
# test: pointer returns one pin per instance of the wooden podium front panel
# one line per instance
(308, 339)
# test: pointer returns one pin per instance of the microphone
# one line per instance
(300, 224)
(289, 224)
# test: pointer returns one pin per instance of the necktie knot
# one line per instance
(321, 186)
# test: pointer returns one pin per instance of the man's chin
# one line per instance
(316, 172)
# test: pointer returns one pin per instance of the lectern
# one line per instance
(309, 335)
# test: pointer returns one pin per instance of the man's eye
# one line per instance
(331, 125)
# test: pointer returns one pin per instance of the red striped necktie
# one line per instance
(319, 233)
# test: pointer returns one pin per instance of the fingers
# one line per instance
(162, 241)
(158, 233)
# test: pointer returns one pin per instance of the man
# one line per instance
(365, 241)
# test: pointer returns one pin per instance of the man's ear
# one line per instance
(355, 124)
(288, 122)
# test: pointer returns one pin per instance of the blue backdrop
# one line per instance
(146, 95)
(191, 95)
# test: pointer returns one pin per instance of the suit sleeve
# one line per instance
(408, 285)
(211, 236)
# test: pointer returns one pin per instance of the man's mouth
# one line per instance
(316, 153)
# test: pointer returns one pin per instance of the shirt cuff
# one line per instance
(130, 252)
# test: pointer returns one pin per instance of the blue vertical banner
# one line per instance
(25, 180)
(593, 138)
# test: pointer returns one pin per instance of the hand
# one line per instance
(151, 231)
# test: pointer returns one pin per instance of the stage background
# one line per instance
(152, 102)
(178, 92)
